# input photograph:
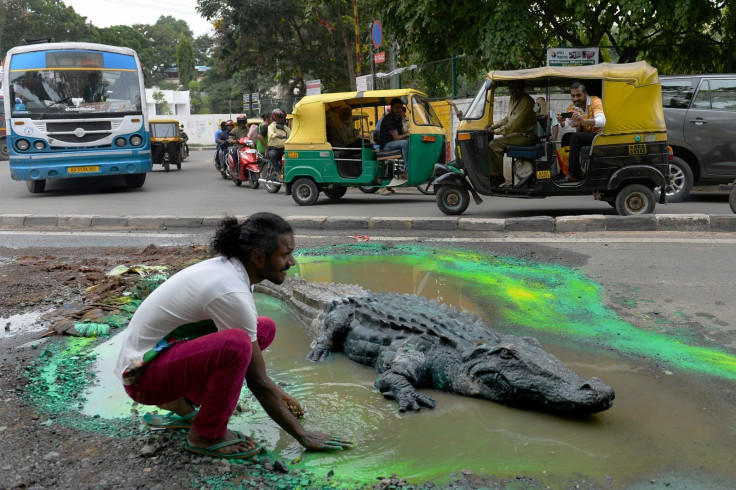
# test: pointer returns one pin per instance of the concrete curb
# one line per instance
(539, 224)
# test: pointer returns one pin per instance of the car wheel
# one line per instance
(304, 192)
(36, 186)
(732, 200)
(336, 192)
(368, 190)
(635, 199)
(134, 181)
(452, 199)
(681, 181)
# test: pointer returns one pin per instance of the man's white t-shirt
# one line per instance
(216, 289)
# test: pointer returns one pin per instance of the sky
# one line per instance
(105, 13)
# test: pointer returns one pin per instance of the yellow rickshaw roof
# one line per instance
(638, 73)
(174, 121)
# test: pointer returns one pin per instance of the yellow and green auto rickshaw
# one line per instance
(316, 160)
(167, 145)
(626, 164)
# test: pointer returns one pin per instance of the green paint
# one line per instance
(538, 296)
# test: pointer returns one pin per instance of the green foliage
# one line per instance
(185, 60)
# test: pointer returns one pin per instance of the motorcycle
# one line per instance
(244, 165)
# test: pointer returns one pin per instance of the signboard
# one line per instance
(377, 34)
(379, 57)
(314, 87)
(572, 56)
(246, 98)
(364, 83)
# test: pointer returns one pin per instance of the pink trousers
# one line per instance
(209, 371)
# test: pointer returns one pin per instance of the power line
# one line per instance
(174, 7)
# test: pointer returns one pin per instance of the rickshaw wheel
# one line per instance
(732, 200)
(178, 164)
(635, 199)
(452, 199)
(304, 192)
(368, 190)
(336, 192)
(167, 166)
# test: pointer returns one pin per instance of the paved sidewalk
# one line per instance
(545, 224)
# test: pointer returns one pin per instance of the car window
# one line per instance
(723, 94)
(677, 93)
(702, 100)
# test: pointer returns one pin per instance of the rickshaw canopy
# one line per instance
(311, 112)
(631, 92)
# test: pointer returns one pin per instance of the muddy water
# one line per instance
(668, 426)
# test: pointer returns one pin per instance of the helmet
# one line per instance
(279, 115)
(229, 123)
(241, 118)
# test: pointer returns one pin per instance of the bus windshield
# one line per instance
(73, 84)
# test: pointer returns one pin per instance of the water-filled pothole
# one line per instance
(668, 425)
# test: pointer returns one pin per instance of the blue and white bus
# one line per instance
(75, 110)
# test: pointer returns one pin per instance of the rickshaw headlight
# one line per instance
(120, 141)
(22, 145)
(39, 145)
(136, 140)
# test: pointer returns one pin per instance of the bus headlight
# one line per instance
(136, 140)
(39, 145)
(22, 145)
(120, 141)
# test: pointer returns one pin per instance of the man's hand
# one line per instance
(294, 406)
(576, 119)
(318, 441)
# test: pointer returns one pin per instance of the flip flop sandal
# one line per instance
(169, 421)
(213, 453)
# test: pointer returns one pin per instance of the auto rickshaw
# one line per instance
(625, 165)
(313, 164)
(167, 145)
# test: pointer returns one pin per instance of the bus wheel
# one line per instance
(4, 151)
(336, 192)
(452, 199)
(134, 180)
(635, 199)
(36, 186)
(304, 192)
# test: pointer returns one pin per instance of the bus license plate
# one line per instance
(544, 174)
(83, 170)
(637, 149)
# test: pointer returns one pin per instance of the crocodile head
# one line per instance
(517, 371)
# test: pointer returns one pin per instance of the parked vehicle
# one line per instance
(247, 166)
(4, 152)
(312, 164)
(700, 112)
(623, 166)
(167, 146)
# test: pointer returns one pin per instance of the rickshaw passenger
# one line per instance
(392, 135)
(517, 128)
(343, 130)
(278, 133)
(588, 119)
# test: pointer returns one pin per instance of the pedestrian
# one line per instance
(195, 339)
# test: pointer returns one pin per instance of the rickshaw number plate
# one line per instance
(637, 149)
(544, 174)
(83, 170)
(293, 154)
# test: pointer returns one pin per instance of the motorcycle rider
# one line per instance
(222, 145)
(184, 139)
(278, 133)
(240, 131)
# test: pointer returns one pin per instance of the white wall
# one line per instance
(199, 127)
(178, 101)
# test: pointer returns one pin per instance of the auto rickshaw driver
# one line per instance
(392, 135)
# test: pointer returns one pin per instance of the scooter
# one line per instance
(247, 167)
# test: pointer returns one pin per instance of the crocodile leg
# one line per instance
(394, 386)
(336, 326)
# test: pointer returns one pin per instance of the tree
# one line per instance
(185, 60)
(162, 107)
(131, 38)
(163, 36)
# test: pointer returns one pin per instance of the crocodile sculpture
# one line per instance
(417, 343)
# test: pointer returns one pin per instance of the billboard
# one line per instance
(572, 56)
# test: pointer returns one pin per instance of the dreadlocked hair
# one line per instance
(260, 231)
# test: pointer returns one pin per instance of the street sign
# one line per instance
(379, 57)
(377, 34)
(246, 98)
(314, 87)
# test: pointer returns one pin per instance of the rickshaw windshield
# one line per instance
(422, 112)
(164, 130)
(478, 106)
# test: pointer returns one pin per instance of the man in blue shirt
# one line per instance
(392, 135)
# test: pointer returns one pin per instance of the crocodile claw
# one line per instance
(318, 354)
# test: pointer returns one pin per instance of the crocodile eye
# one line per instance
(505, 354)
